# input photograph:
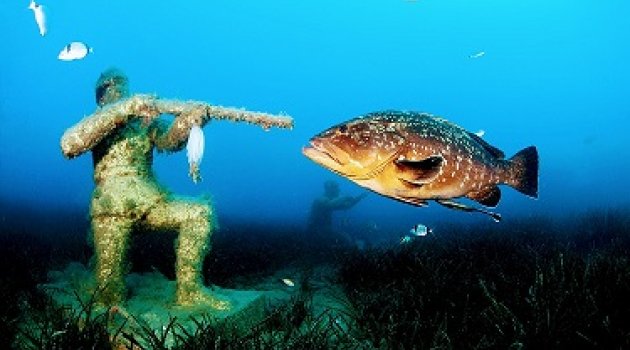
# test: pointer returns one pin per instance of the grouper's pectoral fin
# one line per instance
(489, 196)
(419, 172)
(458, 206)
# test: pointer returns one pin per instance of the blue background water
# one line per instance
(555, 75)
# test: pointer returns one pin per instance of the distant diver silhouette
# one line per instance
(320, 218)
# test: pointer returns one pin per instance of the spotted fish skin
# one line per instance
(414, 157)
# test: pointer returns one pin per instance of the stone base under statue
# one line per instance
(150, 302)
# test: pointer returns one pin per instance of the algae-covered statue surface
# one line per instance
(122, 135)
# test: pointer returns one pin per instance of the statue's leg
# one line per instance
(193, 220)
(111, 235)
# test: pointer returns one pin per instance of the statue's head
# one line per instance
(331, 189)
(111, 87)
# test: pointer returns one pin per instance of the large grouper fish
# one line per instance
(416, 157)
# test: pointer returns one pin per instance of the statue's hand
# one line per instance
(194, 172)
(143, 106)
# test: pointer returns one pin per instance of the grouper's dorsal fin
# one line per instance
(489, 196)
(419, 172)
(497, 153)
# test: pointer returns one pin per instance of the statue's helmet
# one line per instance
(111, 87)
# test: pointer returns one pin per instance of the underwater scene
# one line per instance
(394, 174)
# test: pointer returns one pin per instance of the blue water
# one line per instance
(555, 74)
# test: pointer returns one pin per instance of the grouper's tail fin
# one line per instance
(523, 171)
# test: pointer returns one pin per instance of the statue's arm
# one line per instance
(94, 128)
(346, 202)
(190, 113)
(91, 130)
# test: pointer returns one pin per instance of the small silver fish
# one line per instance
(288, 282)
(406, 239)
(420, 230)
(478, 54)
(40, 16)
(76, 50)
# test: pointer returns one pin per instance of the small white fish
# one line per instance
(480, 133)
(40, 16)
(478, 54)
(288, 282)
(194, 151)
(76, 50)
(405, 240)
(419, 230)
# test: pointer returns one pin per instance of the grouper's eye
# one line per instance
(343, 129)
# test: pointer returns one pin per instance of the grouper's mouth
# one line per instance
(340, 162)
(318, 153)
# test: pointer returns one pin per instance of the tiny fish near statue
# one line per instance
(416, 157)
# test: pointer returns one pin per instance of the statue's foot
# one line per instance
(120, 310)
(109, 298)
(200, 297)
